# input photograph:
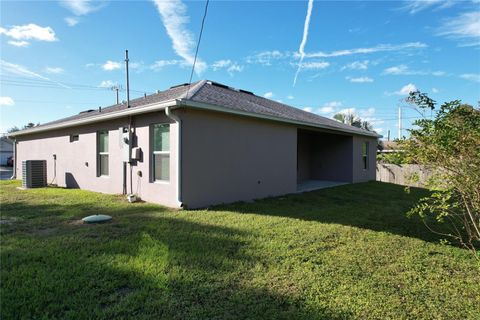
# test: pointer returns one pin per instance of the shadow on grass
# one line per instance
(375, 206)
(145, 263)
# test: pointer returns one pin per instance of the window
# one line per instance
(102, 156)
(73, 137)
(160, 140)
(365, 155)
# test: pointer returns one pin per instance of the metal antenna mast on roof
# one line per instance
(116, 88)
(128, 85)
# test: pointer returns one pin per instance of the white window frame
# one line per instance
(103, 153)
(366, 155)
(153, 153)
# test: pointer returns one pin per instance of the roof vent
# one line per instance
(216, 84)
(179, 85)
(247, 92)
(86, 111)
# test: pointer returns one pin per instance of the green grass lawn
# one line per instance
(338, 253)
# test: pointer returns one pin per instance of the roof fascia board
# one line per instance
(102, 117)
(213, 107)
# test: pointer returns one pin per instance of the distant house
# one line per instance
(6, 150)
(198, 145)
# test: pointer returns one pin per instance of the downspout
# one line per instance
(174, 117)
(14, 173)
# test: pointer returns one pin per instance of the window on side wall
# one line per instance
(160, 139)
(365, 157)
(102, 153)
(74, 137)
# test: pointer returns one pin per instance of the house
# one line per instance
(197, 145)
(6, 150)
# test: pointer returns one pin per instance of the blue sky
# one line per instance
(59, 58)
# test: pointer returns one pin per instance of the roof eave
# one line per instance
(214, 107)
(98, 118)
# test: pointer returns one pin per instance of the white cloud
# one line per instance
(107, 84)
(15, 69)
(54, 70)
(438, 73)
(308, 109)
(406, 71)
(359, 79)
(366, 113)
(175, 20)
(6, 101)
(301, 49)
(464, 28)
(435, 90)
(82, 7)
(314, 65)
(28, 32)
(471, 77)
(326, 109)
(290, 97)
(234, 68)
(357, 65)
(268, 95)
(21, 43)
(406, 89)
(333, 104)
(160, 64)
(230, 66)
(347, 111)
(378, 48)
(111, 65)
(221, 64)
(330, 107)
(415, 6)
(265, 58)
(396, 70)
(71, 21)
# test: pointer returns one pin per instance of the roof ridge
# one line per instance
(196, 87)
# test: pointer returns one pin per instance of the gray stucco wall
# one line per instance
(226, 158)
(359, 173)
(229, 158)
(77, 161)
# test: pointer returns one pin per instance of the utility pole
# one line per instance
(116, 88)
(399, 122)
(128, 85)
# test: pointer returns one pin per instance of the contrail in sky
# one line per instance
(301, 50)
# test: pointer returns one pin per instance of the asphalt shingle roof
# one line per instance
(213, 93)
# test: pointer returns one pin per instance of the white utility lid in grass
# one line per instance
(96, 218)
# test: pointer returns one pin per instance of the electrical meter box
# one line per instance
(136, 153)
(125, 143)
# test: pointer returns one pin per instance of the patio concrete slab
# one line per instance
(310, 185)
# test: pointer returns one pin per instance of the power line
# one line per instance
(198, 45)
(38, 83)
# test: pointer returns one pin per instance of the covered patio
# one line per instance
(323, 160)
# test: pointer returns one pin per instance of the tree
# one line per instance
(450, 144)
(27, 126)
(353, 120)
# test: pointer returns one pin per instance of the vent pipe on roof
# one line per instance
(128, 84)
